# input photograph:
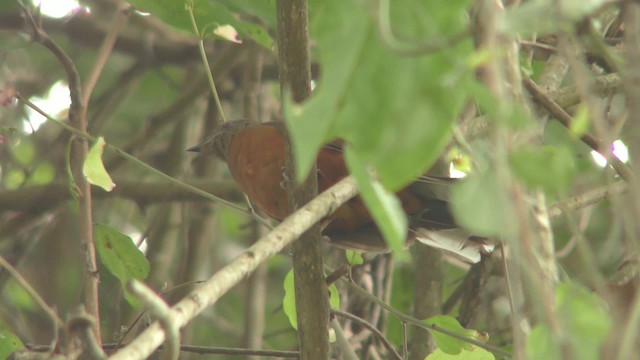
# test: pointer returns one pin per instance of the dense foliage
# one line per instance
(516, 96)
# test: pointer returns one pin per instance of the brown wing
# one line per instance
(255, 158)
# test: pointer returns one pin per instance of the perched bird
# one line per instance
(255, 152)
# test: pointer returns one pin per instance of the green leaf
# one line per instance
(14, 178)
(585, 317)
(263, 9)
(18, 297)
(119, 254)
(541, 344)
(43, 174)
(481, 206)
(475, 354)
(289, 301)
(446, 343)
(310, 124)
(9, 343)
(334, 297)
(365, 88)
(580, 124)
(546, 167)
(585, 321)
(24, 152)
(207, 14)
(93, 167)
(384, 205)
(354, 257)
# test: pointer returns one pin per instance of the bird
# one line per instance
(255, 155)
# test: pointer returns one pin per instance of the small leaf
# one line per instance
(475, 354)
(580, 124)
(93, 167)
(289, 301)
(384, 205)
(446, 343)
(24, 152)
(43, 174)
(119, 254)
(354, 257)
(9, 343)
(334, 297)
(14, 178)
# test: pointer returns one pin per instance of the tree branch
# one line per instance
(312, 302)
(207, 294)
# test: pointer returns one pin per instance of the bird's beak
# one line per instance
(197, 148)
(208, 147)
(204, 147)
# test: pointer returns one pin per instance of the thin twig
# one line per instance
(205, 61)
(105, 51)
(415, 322)
(343, 344)
(360, 321)
(78, 121)
(201, 350)
(158, 308)
(57, 322)
(565, 119)
(146, 166)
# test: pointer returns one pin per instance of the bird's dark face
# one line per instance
(218, 143)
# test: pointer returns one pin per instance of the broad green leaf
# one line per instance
(384, 205)
(121, 258)
(474, 354)
(365, 87)
(446, 343)
(207, 14)
(9, 343)
(310, 124)
(93, 168)
(119, 254)
(263, 9)
(546, 167)
(481, 206)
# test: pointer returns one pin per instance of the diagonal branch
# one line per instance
(222, 281)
